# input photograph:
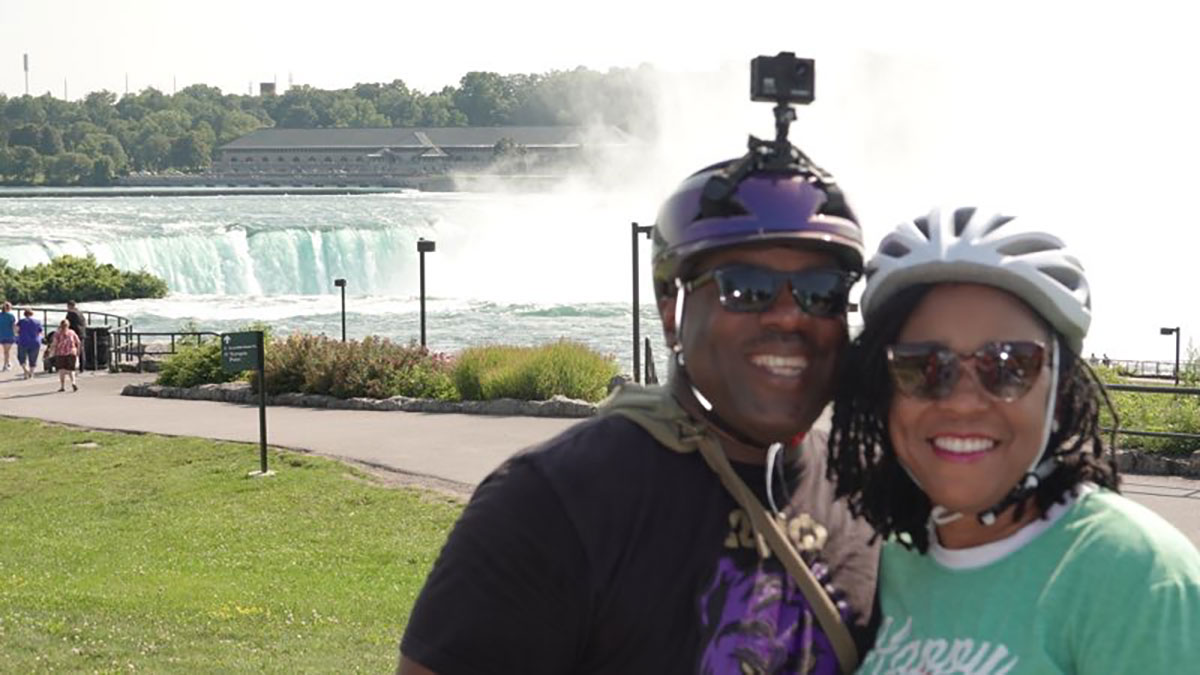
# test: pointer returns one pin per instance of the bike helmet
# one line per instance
(761, 206)
(966, 244)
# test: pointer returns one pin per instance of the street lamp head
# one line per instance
(340, 283)
(426, 246)
(1167, 331)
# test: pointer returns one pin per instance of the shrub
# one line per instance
(373, 368)
(533, 373)
(73, 278)
(194, 364)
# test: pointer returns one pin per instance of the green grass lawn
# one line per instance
(147, 553)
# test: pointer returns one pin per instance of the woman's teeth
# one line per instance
(784, 366)
(957, 444)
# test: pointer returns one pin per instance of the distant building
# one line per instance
(266, 88)
(373, 156)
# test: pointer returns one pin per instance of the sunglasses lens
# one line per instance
(746, 289)
(820, 293)
(1009, 369)
(923, 370)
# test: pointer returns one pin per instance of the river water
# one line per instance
(509, 268)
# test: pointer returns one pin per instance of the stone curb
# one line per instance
(239, 392)
(1153, 464)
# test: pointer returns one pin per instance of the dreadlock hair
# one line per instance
(864, 464)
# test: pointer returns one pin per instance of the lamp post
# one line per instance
(424, 246)
(1168, 331)
(636, 231)
(341, 283)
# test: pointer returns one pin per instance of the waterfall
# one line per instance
(288, 261)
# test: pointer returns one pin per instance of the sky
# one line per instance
(1080, 114)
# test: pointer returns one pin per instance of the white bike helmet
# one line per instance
(970, 245)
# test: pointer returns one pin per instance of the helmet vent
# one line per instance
(996, 223)
(895, 249)
(922, 224)
(1019, 247)
(1063, 275)
(961, 218)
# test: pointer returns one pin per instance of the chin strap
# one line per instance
(1040, 468)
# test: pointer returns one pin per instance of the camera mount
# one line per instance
(782, 79)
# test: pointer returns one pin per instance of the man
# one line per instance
(638, 542)
(78, 324)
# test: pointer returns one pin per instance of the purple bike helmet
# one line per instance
(764, 206)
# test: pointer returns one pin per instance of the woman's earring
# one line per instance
(1054, 426)
(679, 358)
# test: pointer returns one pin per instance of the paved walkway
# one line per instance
(460, 449)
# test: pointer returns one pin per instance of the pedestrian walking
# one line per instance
(66, 349)
(8, 322)
(29, 342)
(78, 323)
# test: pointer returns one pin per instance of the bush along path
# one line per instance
(378, 369)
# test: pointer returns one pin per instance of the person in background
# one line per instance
(29, 342)
(66, 350)
(78, 323)
(967, 430)
(8, 322)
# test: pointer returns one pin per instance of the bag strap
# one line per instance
(656, 411)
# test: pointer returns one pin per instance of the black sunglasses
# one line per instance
(820, 292)
(930, 370)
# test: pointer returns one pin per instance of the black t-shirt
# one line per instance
(76, 321)
(601, 551)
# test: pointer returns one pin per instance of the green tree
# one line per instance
(151, 152)
(100, 107)
(25, 165)
(50, 141)
(401, 106)
(485, 98)
(190, 151)
(437, 110)
(103, 171)
(24, 110)
(26, 135)
(68, 168)
(78, 131)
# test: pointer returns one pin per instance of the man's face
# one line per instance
(768, 374)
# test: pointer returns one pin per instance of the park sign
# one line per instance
(239, 351)
(244, 351)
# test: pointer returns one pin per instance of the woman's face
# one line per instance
(970, 448)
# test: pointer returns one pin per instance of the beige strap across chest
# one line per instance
(656, 411)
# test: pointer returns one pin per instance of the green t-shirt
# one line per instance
(1104, 585)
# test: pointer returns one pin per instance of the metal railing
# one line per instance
(134, 346)
(93, 347)
(1162, 370)
(1148, 389)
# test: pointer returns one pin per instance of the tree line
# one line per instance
(50, 141)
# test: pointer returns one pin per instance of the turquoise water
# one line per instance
(520, 269)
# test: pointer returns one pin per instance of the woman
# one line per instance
(967, 432)
(66, 352)
(8, 322)
(29, 342)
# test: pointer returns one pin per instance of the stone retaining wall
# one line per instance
(239, 392)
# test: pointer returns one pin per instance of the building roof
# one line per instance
(413, 137)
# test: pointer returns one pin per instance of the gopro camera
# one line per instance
(782, 78)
